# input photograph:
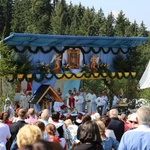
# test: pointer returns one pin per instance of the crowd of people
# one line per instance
(30, 131)
(63, 130)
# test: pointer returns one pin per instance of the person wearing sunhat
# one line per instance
(133, 121)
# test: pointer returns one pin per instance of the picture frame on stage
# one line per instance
(74, 58)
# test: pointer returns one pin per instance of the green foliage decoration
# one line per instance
(24, 64)
(120, 63)
(40, 77)
(91, 49)
(7, 57)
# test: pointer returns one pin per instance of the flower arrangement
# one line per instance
(104, 65)
(85, 68)
(43, 68)
(66, 68)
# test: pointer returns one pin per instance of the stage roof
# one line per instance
(42, 91)
(46, 40)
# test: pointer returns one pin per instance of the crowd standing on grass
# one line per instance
(87, 130)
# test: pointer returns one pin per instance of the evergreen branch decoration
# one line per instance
(24, 64)
(39, 79)
(120, 64)
(78, 76)
(49, 78)
(101, 49)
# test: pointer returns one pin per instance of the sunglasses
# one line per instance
(134, 122)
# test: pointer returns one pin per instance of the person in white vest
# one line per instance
(105, 98)
(90, 101)
(83, 94)
(24, 100)
(9, 107)
(101, 102)
(78, 102)
(115, 101)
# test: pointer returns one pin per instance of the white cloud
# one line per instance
(115, 13)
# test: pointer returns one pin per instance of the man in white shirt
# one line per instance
(138, 139)
(78, 102)
(101, 102)
(90, 100)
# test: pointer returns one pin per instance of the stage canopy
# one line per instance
(45, 40)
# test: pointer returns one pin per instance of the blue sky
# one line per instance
(138, 10)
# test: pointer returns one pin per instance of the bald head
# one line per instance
(113, 113)
(143, 115)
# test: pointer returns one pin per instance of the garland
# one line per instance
(101, 49)
(41, 77)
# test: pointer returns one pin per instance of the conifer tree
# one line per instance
(54, 3)
(57, 26)
(128, 29)
(135, 28)
(5, 16)
(69, 18)
(19, 15)
(142, 30)
(120, 25)
(7, 58)
(77, 19)
(38, 16)
(98, 23)
(101, 20)
(109, 25)
(86, 26)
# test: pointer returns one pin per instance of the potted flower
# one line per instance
(85, 68)
(43, 68)
(66, 69)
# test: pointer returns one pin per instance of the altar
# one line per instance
(122, 107)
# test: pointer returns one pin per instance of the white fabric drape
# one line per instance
(145, 79)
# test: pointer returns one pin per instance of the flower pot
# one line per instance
(29, 76)
(20, 76)
(10, 76)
